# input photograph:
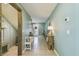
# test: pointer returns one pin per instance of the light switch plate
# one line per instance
(68, 32)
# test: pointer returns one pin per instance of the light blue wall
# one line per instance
(41, 28)
(26, 23)
(26, 20)
(66, 44)
(77, 28)
(46, 26)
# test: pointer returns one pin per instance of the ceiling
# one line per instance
(39, 11)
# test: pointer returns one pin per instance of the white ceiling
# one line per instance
(39, 10)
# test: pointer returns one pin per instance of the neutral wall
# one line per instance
(9, 23)
(65, 44)
(11, 14)
(8, 33)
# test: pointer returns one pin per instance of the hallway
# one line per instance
(26, 24)
(39, 48)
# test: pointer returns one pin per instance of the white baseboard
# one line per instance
(56, 52)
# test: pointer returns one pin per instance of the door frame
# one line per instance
(19, 31)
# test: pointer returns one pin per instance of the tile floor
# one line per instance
(39, 48)
(11, 52)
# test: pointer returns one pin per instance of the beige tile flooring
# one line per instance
(39, 48)
(11, 52)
